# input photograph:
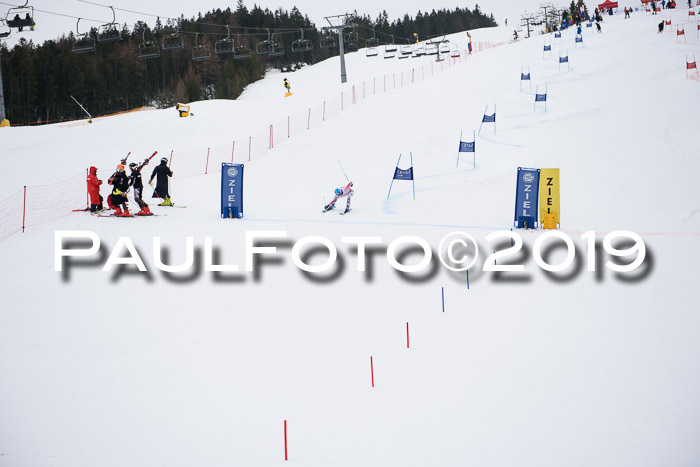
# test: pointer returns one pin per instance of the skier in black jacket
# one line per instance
(136, 182)
(161, 190)
(120, 185)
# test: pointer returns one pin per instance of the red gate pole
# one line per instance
(233, 149)
(250, 144)
(308, 121)
(206, 168)
(285, 441)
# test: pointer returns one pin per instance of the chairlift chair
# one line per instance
(226, 45)
(200, 51)
(174, 41)
(269, 47)
(83, 42)
(241, 50)
(418, 50)
(406, 49)
(455, 52)
(444, 47)
(372, 43)
(5, 30)
(302, 45)
(431, 49)
(21, 17)
(328, 41)
(390, 49)
(148, 49)
(109, 32)
(350, 40)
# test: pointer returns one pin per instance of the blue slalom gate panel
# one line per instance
(232, 191)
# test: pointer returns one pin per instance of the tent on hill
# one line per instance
(607, 5)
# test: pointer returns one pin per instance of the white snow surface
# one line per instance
(576, 368)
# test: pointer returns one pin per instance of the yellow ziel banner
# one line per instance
(549, 198)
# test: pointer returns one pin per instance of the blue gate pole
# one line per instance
(392, 177)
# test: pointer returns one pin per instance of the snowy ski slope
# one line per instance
(575, 368)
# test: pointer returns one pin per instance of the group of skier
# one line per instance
(121, 183)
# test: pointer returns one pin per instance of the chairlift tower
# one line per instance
(526, 20)
(438, 42)
(338, 29)
(2, 94)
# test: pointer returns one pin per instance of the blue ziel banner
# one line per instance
(526, 197)
(232, 191)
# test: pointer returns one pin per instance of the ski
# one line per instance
(81, 210)
(111, 215)
(172, 206)
(343, 213)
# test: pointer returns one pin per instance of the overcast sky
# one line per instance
(51, 26)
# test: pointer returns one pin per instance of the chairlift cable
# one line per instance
(283, 30)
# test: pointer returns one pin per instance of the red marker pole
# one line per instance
(407, 341)
(371, 365)
(285, 441)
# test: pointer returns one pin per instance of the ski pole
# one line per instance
(341, 168)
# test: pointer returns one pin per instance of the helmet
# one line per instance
(164, 160)
(120, 167)
(132, 165)
(338, 191)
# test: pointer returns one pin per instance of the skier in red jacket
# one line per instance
(93, 186)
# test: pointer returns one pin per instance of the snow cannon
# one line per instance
(183, 110)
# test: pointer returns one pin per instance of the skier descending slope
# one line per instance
(162, 171)
(341, 193)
